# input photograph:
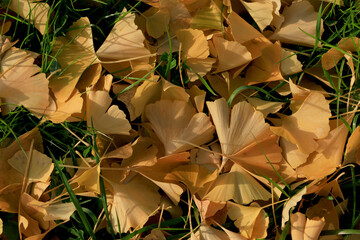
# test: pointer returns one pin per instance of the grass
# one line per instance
(61, 140)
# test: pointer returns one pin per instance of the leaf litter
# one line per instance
(268, 136)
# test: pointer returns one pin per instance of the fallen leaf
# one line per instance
(265, 107)
(301, 128)
(325, 209)
(237, 185)
(124, 43)
(194, 176)
(230, 54)
(303, 228)
(21, 82)
(155, 234)
(299, 17)
(332, 57)
(326, 158)
(33, 11)
(197, 97)
(251, 221)
(177, 124)
(75, 53)
(207, 17)
(352, 153)
(103, 117)
(261, 11)
(133, 203)
(289, 205)
(289, 64)
(40, 167)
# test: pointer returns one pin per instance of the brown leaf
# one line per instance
(124, 43)
(301, 128)
(230, 54)
(21, 82)
(75, 53)
(109, 120)
(251, 221)
(326, 158)
(332, 57)
(177, 125)
(352, 153)
(36, 12)
(194, 176)
(133, 203)
(237, 185)
(300, 17)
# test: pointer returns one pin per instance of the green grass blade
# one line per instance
(73, 198)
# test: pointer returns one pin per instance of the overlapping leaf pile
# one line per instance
(188, 73)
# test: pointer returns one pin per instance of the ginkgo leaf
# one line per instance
(230, 54)
(211, 211)
(290, 203)
(292, 154)
(199, 67)
(299, 17)
(197, 97)
(58, 111)
(251, 221)
(289, 64)
(303, 228)
(157, 173)
(75, 53)
(11, 180)
(265, 68)
(37, 218)
(133, 203)
(104, 118)
(156, 24)
(332, 57)
(352, 153)
(194, 176)
(208, 17)
(298, 221)
(177, 124)
(193, 43)
(245, 136)
(326, 158)
(208, 156)
(265, 107)
(144, 154)
(325, 209)
(241, 30)
(124, 43)
(301, 128)
(40, 167)
(237, 185)
(21, 82)
(155, 234)
(9, 198)
(88, 179)
(195, 50)
(206, 232)
(5, 44)
(238, 129)
(36, 12)
(261, 11)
